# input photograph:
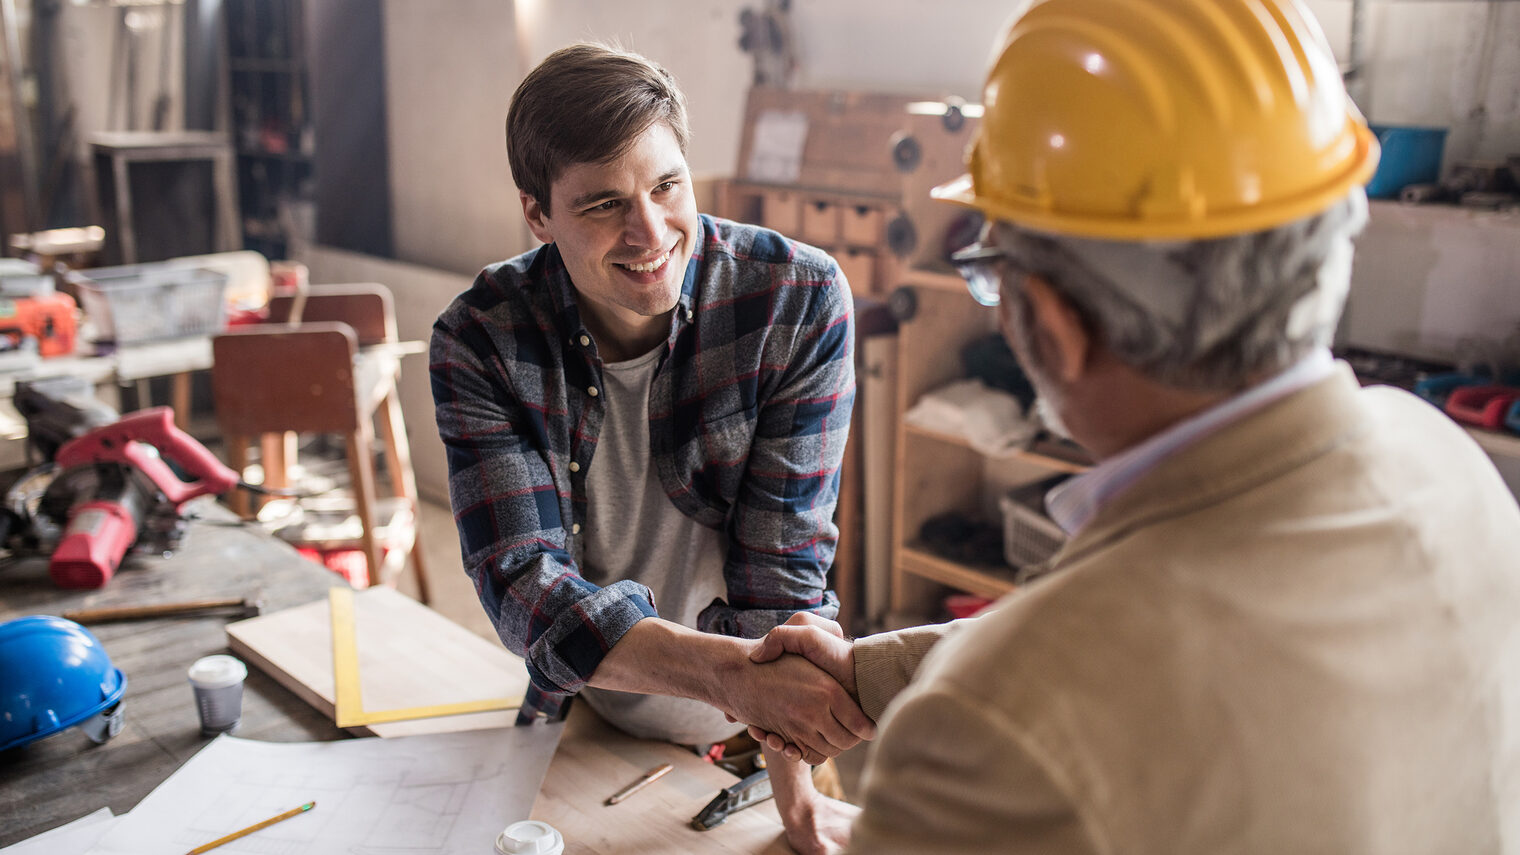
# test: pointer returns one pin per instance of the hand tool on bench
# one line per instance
(236, 608)
(730, 800)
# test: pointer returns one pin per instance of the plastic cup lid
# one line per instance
(215, 672)
(530, 837)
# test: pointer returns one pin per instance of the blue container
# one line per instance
(1411, 155)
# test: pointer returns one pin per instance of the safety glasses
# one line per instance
(983, 268)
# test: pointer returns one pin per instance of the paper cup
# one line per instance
(218, 685)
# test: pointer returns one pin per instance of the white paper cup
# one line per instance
(530, 837)
(218, 684)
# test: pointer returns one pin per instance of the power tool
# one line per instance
(107, 489)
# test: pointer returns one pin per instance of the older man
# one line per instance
(1285, 620)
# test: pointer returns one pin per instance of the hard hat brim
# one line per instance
(1357, 171)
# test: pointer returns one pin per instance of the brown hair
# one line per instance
(586, 103)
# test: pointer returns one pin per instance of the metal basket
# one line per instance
(149, 302)
(1029, 537)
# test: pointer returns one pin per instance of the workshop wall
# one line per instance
(453, 66)
(450, 71)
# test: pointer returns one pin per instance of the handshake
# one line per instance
(798, 695)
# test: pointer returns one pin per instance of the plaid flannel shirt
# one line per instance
(748, 415)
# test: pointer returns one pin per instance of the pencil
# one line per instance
(649, 778)
(251, 829)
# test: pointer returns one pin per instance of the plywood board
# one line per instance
(848, 141)
(409, 656)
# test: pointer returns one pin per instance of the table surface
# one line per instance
(63, 777)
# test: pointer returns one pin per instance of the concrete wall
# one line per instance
(450, 71)
(1434, 281)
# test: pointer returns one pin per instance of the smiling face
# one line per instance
(626, 230)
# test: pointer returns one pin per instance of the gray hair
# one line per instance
(1214, 314)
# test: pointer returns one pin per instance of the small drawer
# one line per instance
(781, 210)
(861, 225)
(858, 266)
(820, 222)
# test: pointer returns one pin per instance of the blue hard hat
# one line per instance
(54, 675)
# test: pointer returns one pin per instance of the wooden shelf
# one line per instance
(1493, 442)
(939, 280)
(829, 194)
(1049, 461)
(990, 582)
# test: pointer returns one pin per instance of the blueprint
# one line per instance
(443, 793)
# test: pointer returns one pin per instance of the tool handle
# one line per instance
(149, 611)
(144, 439)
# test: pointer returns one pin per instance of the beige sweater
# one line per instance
(1299, 635)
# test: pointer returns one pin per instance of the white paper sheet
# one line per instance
(775, 152)
(74, 838)
(443, 793)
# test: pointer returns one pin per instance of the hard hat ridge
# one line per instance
(1170, 119)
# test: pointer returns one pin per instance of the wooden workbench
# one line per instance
(64, 777)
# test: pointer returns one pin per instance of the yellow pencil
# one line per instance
(251, 829)
(650, 777)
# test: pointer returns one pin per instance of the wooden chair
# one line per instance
(328, 367)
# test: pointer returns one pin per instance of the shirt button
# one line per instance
(575, 528)
(585, 341)
(574, 467)
(688, 314)
(592, 391)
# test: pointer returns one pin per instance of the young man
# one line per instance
(644, 421)
(1285, 618)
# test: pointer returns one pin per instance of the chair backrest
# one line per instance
(268, 379)
(365, 306)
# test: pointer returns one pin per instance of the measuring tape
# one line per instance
(348, 701)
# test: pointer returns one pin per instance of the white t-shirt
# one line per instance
(634, 532)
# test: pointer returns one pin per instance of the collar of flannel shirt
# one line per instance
(563, 293)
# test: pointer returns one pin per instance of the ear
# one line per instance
(538, 221)
(1064, 341)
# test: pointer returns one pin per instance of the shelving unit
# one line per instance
(851, 226)
(939, 472)
(272, 126)
(1495, 443)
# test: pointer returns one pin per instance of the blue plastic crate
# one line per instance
(1411, 155)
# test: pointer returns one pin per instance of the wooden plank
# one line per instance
(988, 582)
(942, 158)
(848, 140)
(878, 429)
(1493, 442)
(409, 655)
(930, 342)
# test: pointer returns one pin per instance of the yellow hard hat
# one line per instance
(1134, 119)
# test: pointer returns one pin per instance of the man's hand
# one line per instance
(801, 704)
(815, 824)
(820, 641)
(804, 706)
